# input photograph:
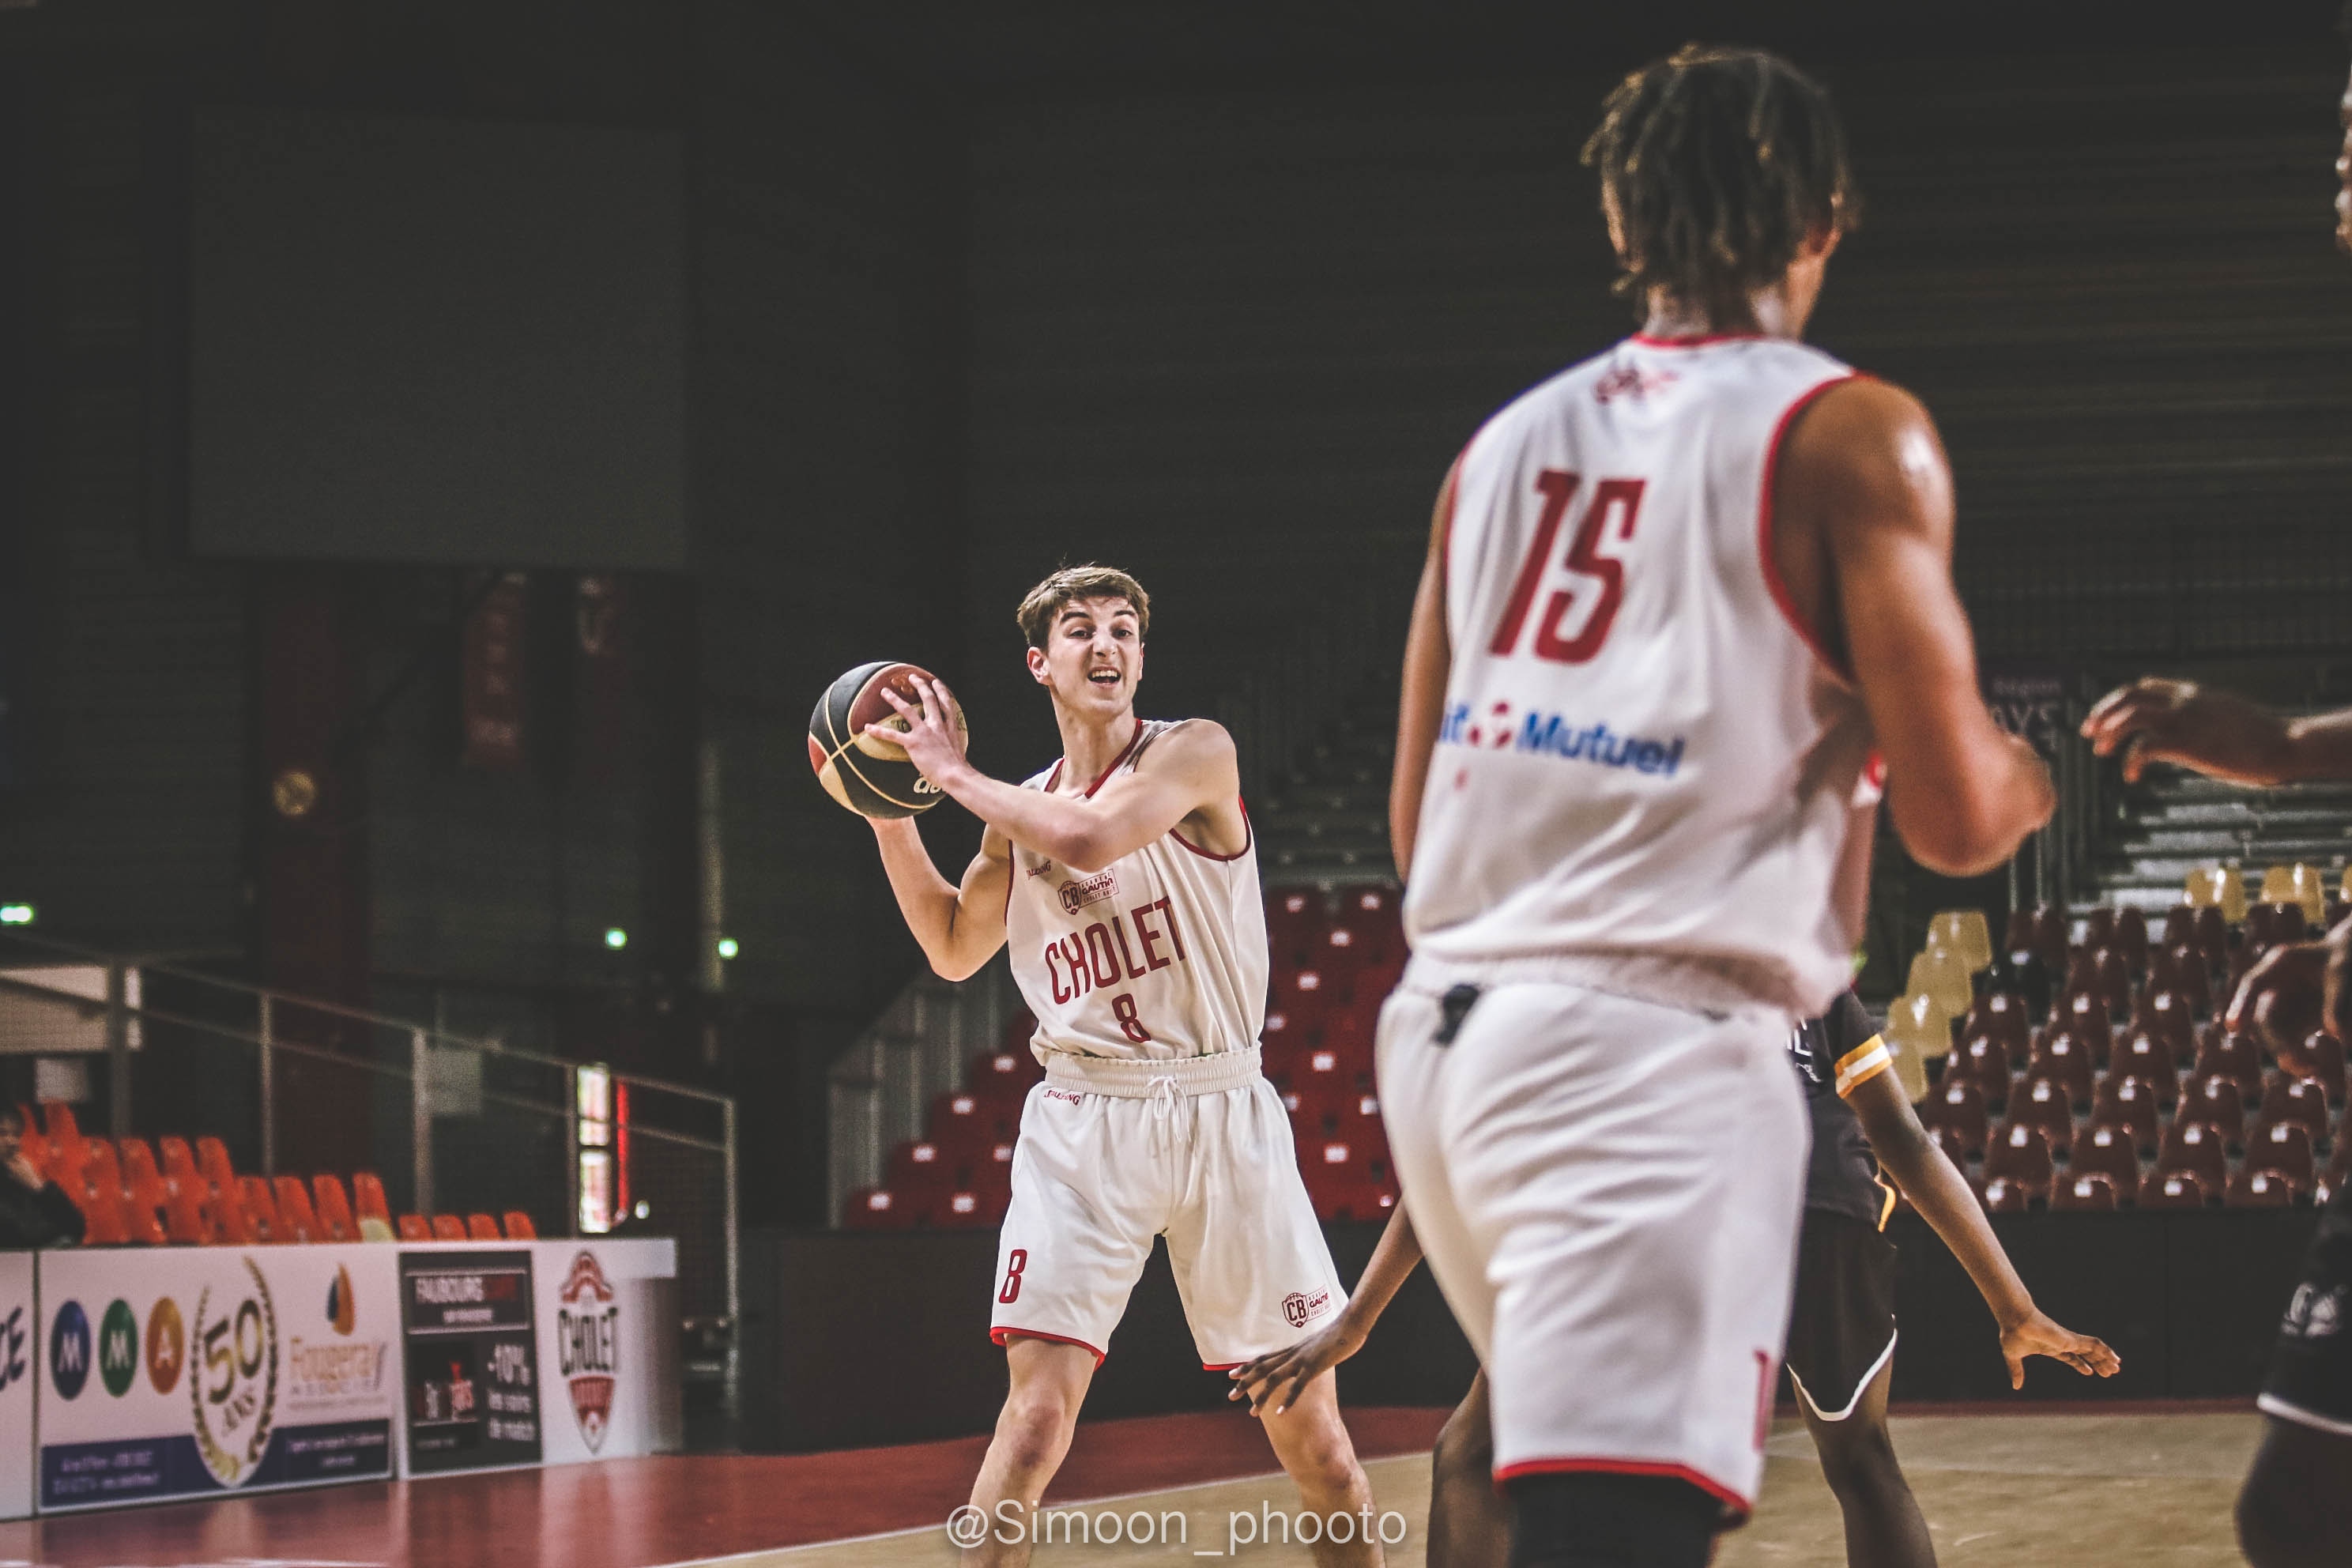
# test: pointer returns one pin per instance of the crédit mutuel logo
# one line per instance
(587, 1344)
(1557, 735)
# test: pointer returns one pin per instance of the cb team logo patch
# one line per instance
(1299, 1309)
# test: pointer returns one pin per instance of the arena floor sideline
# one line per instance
(2143, 1486)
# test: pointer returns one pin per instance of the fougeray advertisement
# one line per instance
(214, 1369)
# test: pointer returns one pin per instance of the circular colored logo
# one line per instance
(234, 1387)
(118, 1347)
(167, 1346)
(69, 1351)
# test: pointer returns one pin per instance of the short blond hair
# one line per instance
(1042, 606)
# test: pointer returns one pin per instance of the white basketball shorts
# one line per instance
(1199, 1151)
(1609, 1192)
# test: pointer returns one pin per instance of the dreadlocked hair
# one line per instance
(1715, 164)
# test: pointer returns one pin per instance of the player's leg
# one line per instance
(1642, 1250)
(1883, 1527)
(1032, 1435)
(1469, 1522)
(1252, 1265)
(1842, 1359)
(1315, 1452)
(2295, 1510)
(1074, 1240)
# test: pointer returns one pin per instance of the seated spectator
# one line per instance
(34, 1210)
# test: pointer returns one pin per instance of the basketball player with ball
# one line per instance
(1125, 878)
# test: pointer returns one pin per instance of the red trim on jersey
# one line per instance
(1126, 751)
(1772, 583)
(1223, 1366)
(1249, 832)
(1000, 1335)
(1714, 1488)
(1702, 340)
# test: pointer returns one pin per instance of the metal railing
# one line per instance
(469, 1123)
(881, 1089)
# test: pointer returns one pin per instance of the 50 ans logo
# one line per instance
(233, 1382)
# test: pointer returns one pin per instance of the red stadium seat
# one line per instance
(97, 1191)
(2098, 927)
(58, 1126)
(2067, 1059)
(2002, 1014)
(2172, 1190)
(145, 1193)
(2167, 1015)
(413, 1227)
(2215, 1101)
(2113, 980)
(2326, 1054)
(1955, 1150)
(2086, 1190)
(2233, 1057)
(2044, 1102)
(260, 1207)
(518, 1226)
(334, 1208)
(2109, 1152)
(482, 1227)
(2179, 925)
(2263, 1190)
(2193, 977)
(2296, 1099)
(2021, 1154)
(1957, 1107)
(2131, 935)
(2004, 1196)
(212, 1158)
(2085, 1016)
(2195, 1148)
(296, 1212)
(2283, 1147)
(869, 1209)
(1986, 1061)
(2150, 1060)
(448, 1227)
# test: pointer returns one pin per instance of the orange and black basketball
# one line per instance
(866, 773)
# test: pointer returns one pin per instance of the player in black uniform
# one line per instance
(2295, 1510)
(1840, 1349)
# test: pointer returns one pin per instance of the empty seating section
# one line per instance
(1334, 959)
(134, 1193)
(2088, 1067)
(2080, 1064)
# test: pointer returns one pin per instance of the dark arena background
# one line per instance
(445, 446)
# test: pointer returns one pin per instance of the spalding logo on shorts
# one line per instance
(1299, 1310)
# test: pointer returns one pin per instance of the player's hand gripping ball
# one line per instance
(866, 771)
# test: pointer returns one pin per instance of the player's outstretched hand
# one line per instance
(1276, 1379)
(2037, 1335)
(2298, 989)
(931, 738)
(2155, 721)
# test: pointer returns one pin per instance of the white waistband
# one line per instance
(1127, 1078)
(1687, 983)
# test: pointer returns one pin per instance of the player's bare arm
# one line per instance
(1942, 1195)
(1272, 1381)
(1421, 711)
(1191, 776)
(959, 926)
(2216, 734)
(1863, 500)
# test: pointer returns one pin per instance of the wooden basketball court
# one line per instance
(2131, 1486)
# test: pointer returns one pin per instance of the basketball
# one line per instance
(866, 773)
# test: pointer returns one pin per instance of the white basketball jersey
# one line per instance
(1161, 954)
(1642, 754)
